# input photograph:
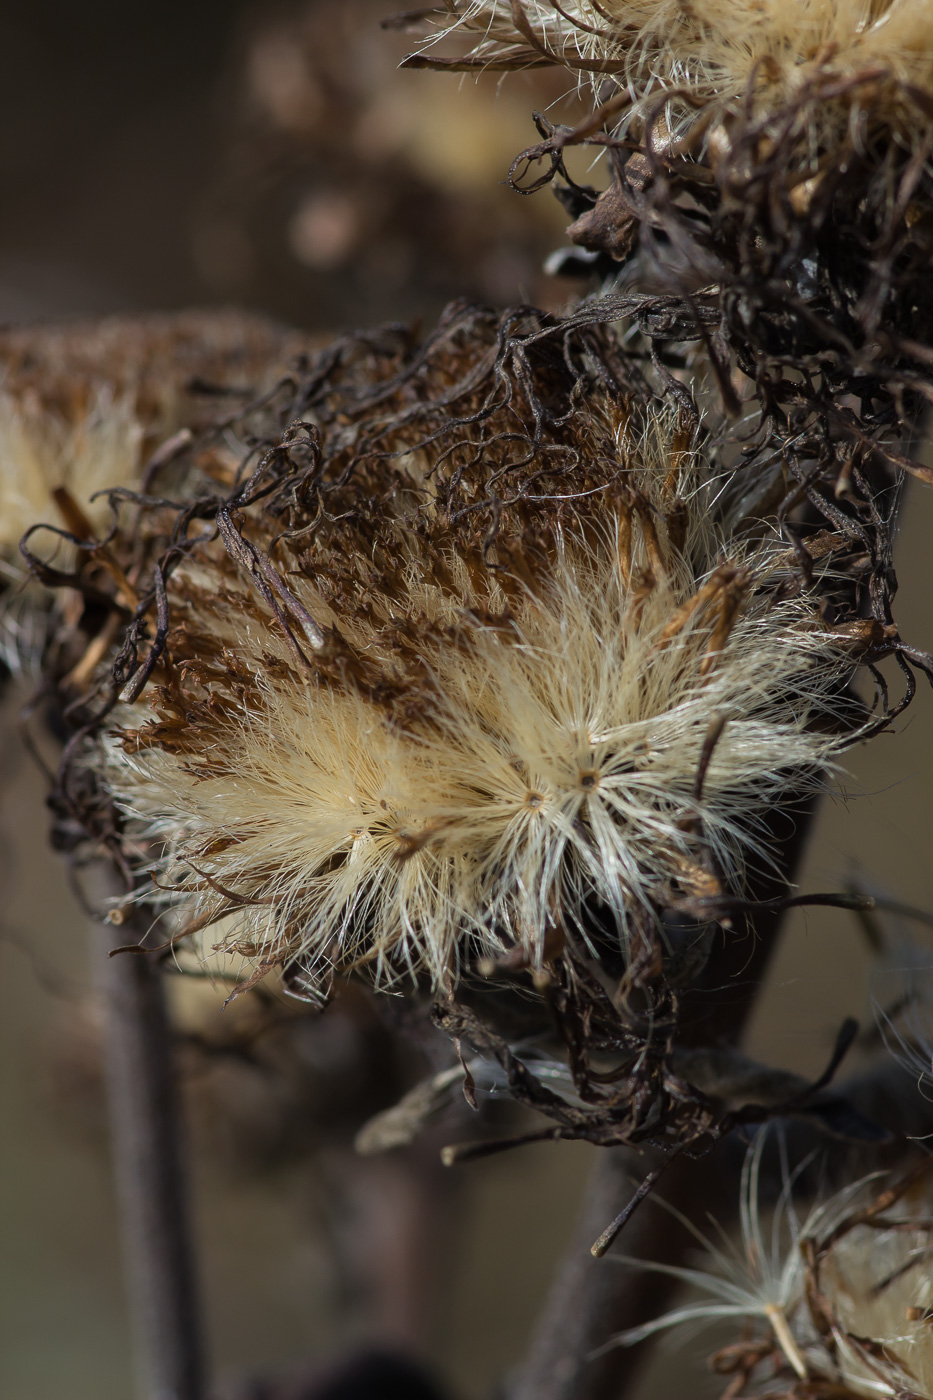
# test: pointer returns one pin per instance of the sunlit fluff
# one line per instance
(523, 757)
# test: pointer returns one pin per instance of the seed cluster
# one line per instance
(432, 693)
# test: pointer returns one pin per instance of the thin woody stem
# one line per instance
(158, 1256)
(593, 1300)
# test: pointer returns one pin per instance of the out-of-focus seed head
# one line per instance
(98, 407)
(84, 406)
(862, 54)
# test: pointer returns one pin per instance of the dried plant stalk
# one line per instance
(145, 1142)
(483, 678)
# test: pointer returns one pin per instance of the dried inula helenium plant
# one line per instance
(767, 195)
(447, 686)
(492, 667)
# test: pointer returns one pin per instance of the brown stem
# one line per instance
(391, 1217)
(147, 1166)
(593, 1300)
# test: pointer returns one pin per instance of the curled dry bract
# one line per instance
(472, 669)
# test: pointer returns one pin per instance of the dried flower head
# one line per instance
(842, 1299)
(471, 666)
(768, 196)
(716, 53)
(84, 406)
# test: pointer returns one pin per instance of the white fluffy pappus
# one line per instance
(83, 405)
(760, 1280)
(711, 51)
(842, 1297)
(518, 767)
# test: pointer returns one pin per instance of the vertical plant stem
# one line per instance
(592, 1300)
(144, 1132)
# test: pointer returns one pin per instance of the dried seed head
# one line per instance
(459, 685)
(720, 53)
(841, 1299)
(92, 407)
(83, 406)
(768, 175)
(761, 1282)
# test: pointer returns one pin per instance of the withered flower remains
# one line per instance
(766, 193)
(83, 407)
(472, 667)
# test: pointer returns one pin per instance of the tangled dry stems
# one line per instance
(424, 555)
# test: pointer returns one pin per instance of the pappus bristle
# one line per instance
(467, 759)
(904, 1013)
(714, 52)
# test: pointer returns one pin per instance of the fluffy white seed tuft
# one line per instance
(531, 761)
(841, 1299)
(717, 51)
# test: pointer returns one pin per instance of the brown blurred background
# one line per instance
(274, 157)
(267, 155)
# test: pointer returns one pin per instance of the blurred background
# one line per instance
(274, 158)
(271, 156)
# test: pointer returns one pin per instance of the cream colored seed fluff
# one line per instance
(82, 406)
(41, 451)
(541, 765)
(857, 1321)
(716, 50)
